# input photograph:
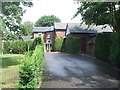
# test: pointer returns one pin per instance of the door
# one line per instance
(83, 45)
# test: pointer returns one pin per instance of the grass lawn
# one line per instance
(10, 70)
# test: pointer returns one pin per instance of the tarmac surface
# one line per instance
(72, 71)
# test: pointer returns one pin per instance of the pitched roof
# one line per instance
(60, 26)
(42, 29)
(27, 37)
(77, 28)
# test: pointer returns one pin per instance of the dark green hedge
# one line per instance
(21, 46)
(32, 68)
(58, 44)
(115, 49)
(102, 46)
(107, 47)
(72, 45)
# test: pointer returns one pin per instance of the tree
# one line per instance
(46, 21)
(26, 28)
(100, 13)
(11, 15)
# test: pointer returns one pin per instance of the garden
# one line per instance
(23, 67)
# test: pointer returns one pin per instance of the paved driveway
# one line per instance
(72, 71)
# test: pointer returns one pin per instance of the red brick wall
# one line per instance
(52, 37)
(89, 47)
(60, 33)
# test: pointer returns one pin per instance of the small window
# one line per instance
(39, 34)
(48, 36)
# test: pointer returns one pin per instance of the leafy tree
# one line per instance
(45, 21)
(11, 15)
(100, 13)
(26, 28)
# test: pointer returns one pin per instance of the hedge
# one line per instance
(72, 45)
(58, 44)
(21, 46)
(32, 68)
(102, 46)
(114, 49)
(107, 47)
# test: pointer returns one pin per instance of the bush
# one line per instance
(22, 46)
(58, 44)
(114, 49)
(102, 46)
(17, 46)
(36, 41)
(31, 69)
(72, 45)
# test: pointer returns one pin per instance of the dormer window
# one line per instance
(48, 36)
(39, 34)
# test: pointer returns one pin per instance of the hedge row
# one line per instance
(107, 47)
(21, 46)
(32, 68)
(102, 46)
(72, 45)
(58, 44)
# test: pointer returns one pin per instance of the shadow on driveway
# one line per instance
(73, 71)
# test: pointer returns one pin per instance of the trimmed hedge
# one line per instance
(32, 68)
(114, 49)
(17, 46)
(58, 44)
(102, 46)
(21, 46)
(72, 45)
(107, 48)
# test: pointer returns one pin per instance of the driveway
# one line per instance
(72, 71)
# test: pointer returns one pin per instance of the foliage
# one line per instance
(46, 21)
(58, 44)
(22, 46)
(102, 46)
(107, 48)
(72, 45)
(17, 46)
(37, 41)
(11, 15)
(114, 49)
(31, 69)
(100, 13)
(26, 28)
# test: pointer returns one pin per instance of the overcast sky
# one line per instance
(64, 9)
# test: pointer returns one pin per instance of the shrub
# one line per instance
(58, 44)
(72, 45)
(22, 46)
(102, 46)
(17, 46)
(31, 69)
(36, 41)
(114, 49)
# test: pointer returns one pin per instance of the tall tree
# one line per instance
(45, 21)
(12, 13)
(26, 28)
(100, 13)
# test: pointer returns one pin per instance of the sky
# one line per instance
(64, 9)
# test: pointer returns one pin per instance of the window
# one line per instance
(48, 36)
(39, 34)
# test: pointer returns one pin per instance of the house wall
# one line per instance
(52, 37)
(89, 47)
(60, 33)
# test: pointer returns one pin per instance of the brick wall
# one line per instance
(60, 33)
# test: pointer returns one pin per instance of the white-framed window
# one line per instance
(48, 35)
(39, 34)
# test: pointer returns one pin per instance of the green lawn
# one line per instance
(10, 70)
